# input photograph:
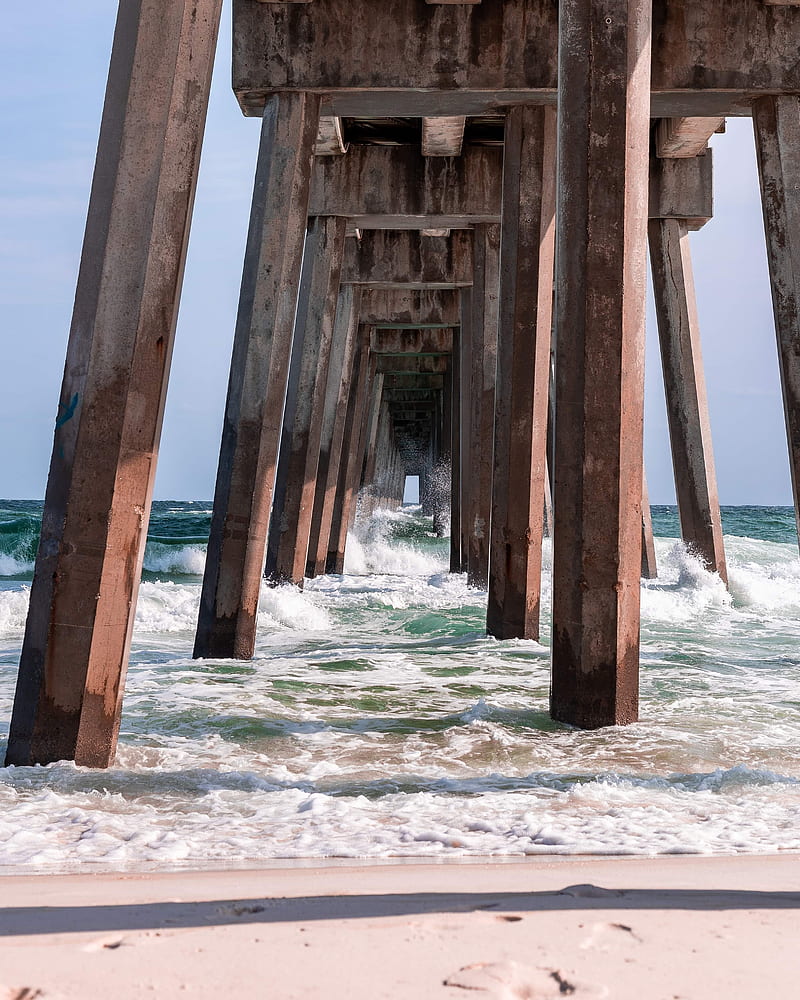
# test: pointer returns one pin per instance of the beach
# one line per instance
(660, 928)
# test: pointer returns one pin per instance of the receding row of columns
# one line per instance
(309, 414)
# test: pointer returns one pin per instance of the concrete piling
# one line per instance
(352, 455)
(603, 147)
(483, 354)
(523, 373)
(290, 525)
(336, 397)
(83, 597)
(776, 121)
(259, 370)
(685, 389)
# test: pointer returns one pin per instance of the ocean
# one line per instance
(378, 721)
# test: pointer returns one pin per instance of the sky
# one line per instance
(53, 66)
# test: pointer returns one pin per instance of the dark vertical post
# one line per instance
(547, 514)
(455, 457)
(367, 481)
(603, 142)
(287, 547)
(99, 490)
(352, 456)
(649, 565)
(465, 420)
(336, 396)
(485, 317)
(685, 390)
(777, 128)
(523, 373)
(257, 387)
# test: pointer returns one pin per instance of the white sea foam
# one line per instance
(13, 609)
(372, 549)
(177, 560)
(684, 589)
(11, 566)
(166, 607)
(289, 607)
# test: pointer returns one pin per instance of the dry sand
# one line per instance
(634, 929)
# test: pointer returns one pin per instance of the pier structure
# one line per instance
(447, 197)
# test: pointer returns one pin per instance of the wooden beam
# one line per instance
(682, 189)
(395, 187)
(685, 137)
(330, 138)
(408, 382)
(404, 57)
(435, 340)
(443, 136)
(430, 364)
(405, 259)
(414, 309)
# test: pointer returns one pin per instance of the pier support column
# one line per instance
(352, 455)
(99, 490)
(603, 144)
(257, 388)
(336, 396)
(685, 390)
(649, 564)
(523, 373)
(455, 457)
(483, 355)
(290, 524)
(777, 128)
(465, 421)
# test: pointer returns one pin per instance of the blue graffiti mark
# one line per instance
(69, 411)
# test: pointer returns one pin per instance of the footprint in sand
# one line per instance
(611, 937)
(108, 943)
(514, 981)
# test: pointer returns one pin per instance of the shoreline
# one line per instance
(661, 927)
(194, 866)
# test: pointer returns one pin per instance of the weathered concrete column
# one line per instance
(777, 128)
(330, 455)
(649, 564)
(371, 438)
(547, 514)
(257, 387)
(465, 420)
(99, 490)
(685, 389)
(352, 455)
(455, 457)
(523, 373)
(290, 526)
(483, 356)
(603, 140)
